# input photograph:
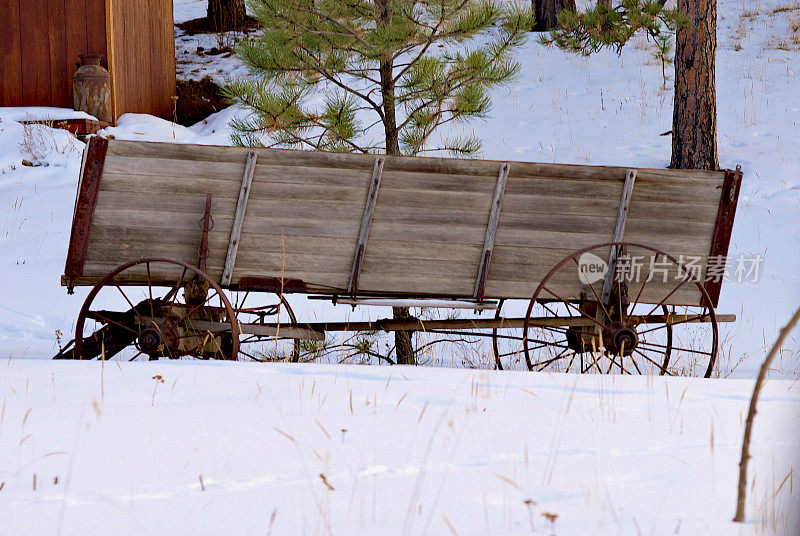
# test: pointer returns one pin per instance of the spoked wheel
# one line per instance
(161, 307)
(506, 342)
(495, 342)
(646, 325)
(258, 309)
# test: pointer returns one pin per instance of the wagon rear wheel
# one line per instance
(638, 329)
(161, 307)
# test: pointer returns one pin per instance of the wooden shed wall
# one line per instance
(142, 56)
(41, 43)
(43, 38)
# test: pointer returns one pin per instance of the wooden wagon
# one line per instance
(621, 267)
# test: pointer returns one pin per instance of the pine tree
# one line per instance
(605, 26)
(546, 12)
(694, 120)
(374, 76)
(694, 123)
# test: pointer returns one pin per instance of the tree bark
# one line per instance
(694, 120)
(546, 12)
(403, 344)
(225, 15)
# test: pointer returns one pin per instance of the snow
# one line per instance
(425, 450)
(195, 64)
(404, 450)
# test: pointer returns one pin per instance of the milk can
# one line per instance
(91, 88)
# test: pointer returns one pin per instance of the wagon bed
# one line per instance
(360, 227)
(428, 230)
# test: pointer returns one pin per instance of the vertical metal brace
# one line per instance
(491, 230)
(238, 218)
(366, 222)
(619, 233)
(206, 224)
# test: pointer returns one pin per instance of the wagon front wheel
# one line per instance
(644, 323)
(156, 308)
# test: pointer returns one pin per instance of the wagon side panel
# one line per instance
(545, 218)
(302, 221)
(428, 230)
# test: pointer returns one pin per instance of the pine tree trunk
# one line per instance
(403, 345)
(694, 120)
(225, 15)
(546, 11)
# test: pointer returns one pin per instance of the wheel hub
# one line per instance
(149, 340)
(157, 341)
(620, 339)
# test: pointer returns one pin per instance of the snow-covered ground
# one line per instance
(242, 448)
(417, 451)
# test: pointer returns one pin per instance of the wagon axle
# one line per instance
(620, 339)
(149, 341)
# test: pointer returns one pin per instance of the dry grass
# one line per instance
(750, 16)
(39, 140)
(788, 8)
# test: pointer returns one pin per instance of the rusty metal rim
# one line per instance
(704, 297)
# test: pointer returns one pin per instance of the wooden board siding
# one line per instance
(142, 49)
(42, 41)
(10, 55)
(428, 229)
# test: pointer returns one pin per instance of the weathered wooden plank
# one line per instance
(274, 261)
(34, 27)
(420, 186)
(60, 74)
(151, 206)
(693, 192)
(185, 221)
(673, 243)
(491, 229)
(215, 153)
(406, 164)
(419, 236)
(238, 218)
(419, 204)
(414, 237)
(428, 303)
(619, 234)
(162, 59)
(11, 79)
(599, 223)
(279, 211)
(439, 286)
(366, 222)
(274, 243)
